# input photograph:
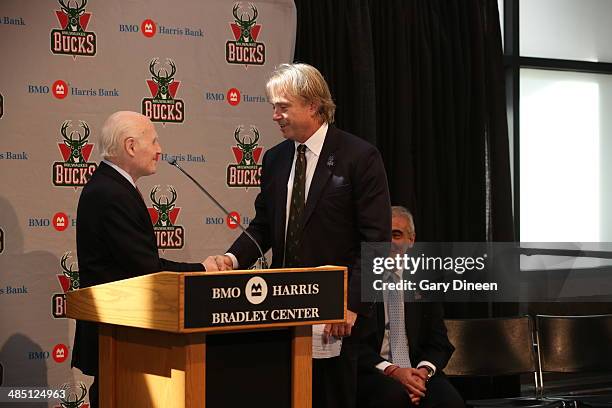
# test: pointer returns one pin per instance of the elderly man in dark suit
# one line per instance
(115, 238)
(323, 192)
(405, 346)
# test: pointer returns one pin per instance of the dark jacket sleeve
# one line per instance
(429, 343)
(373, 215)
(371, 343)
(434, 345)
(132, 243)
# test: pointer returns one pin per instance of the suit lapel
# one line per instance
(322, 172)
(380, 322)
(280, 193)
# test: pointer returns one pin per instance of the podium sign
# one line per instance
(263, 299)
(187, 339)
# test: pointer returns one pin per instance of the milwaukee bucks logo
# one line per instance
(75, 170)
(246, 172)
(164, 214)
(71, 281)
(72, 38)
(75, 146)
(163, 106)
(68, 280)
(245, 49)
(73, 396)
(163, 81)
(163, 208)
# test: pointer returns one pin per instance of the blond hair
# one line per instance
(305, 82)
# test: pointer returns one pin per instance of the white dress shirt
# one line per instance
(122, 172)
(314, 145)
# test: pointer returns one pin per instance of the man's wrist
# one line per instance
(390, 370)
(383, 365)
(428, 369)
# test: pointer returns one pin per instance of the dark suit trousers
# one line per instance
(375, 390)
(93, 394)
(334, 380)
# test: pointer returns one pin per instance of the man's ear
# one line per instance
(129, 145)
(314, 108)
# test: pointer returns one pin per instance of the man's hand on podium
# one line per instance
(218, 263)
(340, 329)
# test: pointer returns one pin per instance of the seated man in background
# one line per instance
(405, 346)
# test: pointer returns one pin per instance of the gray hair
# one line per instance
(399, 211)
(303, 81)
(117, 127)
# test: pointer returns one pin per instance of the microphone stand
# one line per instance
(262, 259)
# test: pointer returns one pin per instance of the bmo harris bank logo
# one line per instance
(245, 49)
(255, 291)
(75, 170)
(73, 38)
(163, 106)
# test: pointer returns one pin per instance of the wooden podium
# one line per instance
(215, 339)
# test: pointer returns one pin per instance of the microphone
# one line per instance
(263, 263)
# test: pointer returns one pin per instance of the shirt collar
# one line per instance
(121, 171)
(315, 142)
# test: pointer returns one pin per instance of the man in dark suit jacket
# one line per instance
(115, 238)
(384, 380)
(326, 191)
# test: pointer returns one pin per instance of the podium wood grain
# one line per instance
(147, 368)
(148, 302)
(301, 369)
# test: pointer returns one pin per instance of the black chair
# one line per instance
(494, 347)
(575, 344)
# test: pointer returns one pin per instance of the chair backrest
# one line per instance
(490, 347)
(570, 344)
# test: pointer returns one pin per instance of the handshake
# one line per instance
(218, 263)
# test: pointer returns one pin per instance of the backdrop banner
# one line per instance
(196, 68)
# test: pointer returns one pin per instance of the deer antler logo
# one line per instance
(74, 15)
(76, 146)
(73, 38)
(245, 25)
(247, 171)
(244, 48)
(247, 146)
(68, 272)
(163, 106)
(73, 399)
(164, 213)
(163, 82)
(163, 209)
